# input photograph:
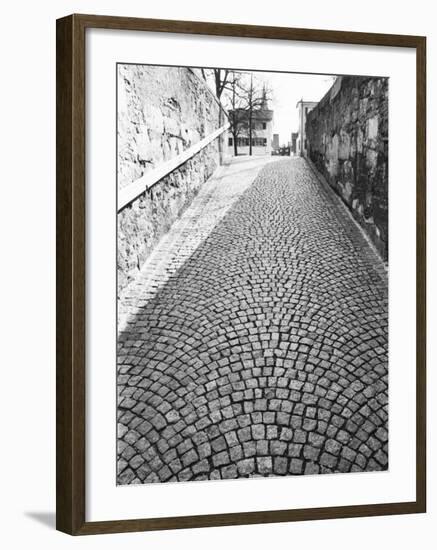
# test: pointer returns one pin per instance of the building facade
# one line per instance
(275, 141)
(262, 131)
(293, 144)
(304, 107)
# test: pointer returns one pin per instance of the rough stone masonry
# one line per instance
(162, 111)
(348, 142)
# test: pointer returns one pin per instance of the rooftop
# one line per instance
(308, 103)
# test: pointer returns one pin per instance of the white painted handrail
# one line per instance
(137, 187)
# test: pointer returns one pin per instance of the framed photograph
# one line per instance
(240, 274)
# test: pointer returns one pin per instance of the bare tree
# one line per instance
(238, 119)
(220, 77)
(256, 96)
(243, 97)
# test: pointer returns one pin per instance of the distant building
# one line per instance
(293, 144)
(304, 108)
(262, 127)
(275, 141)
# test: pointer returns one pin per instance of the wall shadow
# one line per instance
(47, 519)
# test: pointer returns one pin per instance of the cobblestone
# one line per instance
(262, 350)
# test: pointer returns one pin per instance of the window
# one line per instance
(230, 142)
(259, 142)
(243, 142)
(264, 125)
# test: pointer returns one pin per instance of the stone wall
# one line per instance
(347, 134)
(162, 111)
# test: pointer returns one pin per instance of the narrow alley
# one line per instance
(257, 344)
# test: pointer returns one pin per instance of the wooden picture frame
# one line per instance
(71, 253)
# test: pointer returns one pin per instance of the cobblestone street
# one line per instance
(254, 340)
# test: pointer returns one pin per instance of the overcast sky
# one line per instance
(288, 89)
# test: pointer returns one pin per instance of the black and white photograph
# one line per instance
(252, 274)
(218, 275)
